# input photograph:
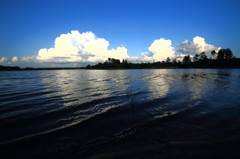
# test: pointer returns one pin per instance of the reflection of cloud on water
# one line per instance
(68, 85)
(202, 84)
(81, 86)
(159, 83)
(75, 87)
(62, 84)
(197, 85)
(78, 95)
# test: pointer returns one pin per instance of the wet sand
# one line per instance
(175, 136)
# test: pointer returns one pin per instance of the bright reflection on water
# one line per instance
(36, 102)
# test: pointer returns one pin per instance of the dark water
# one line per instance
(108, 102)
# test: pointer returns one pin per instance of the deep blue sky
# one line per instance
(29, 25)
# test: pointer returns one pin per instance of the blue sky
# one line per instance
(30, 25)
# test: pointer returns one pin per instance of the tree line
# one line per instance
(224, 58)
(9, 68)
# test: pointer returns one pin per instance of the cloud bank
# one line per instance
(79, 49)
(3, 59)
(197, 46)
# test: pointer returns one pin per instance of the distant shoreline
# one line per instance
(45, 69)
(16, 68)
(221, 62)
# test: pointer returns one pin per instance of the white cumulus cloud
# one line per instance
(14, 59)
(197, 46)
(3, 60)
(80, 47)
(160, 50)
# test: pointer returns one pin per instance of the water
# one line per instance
(88, 104)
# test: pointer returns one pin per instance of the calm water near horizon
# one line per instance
(34, 103)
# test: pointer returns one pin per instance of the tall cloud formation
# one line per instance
(196, 47)
(160, 50)
(80, 47)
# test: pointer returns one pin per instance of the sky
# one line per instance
(62, 33)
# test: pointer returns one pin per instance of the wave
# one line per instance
(112, 108)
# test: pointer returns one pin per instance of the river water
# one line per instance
(107, 102)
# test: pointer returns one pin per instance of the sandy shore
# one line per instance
(176, 136)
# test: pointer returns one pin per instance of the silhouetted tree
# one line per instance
(221, 54)
(174, 61)
(124, 61)
(113, 61)
(225, 54)
(168, 60)
(196, 57)
(213, 53)
(229, 54)
(186, 60)
(203, 56)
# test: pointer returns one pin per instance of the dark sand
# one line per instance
(175, 136)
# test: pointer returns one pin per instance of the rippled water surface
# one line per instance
(33, 103)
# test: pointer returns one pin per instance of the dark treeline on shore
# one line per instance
(222, 59)
(16, 68)
(3, 68)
